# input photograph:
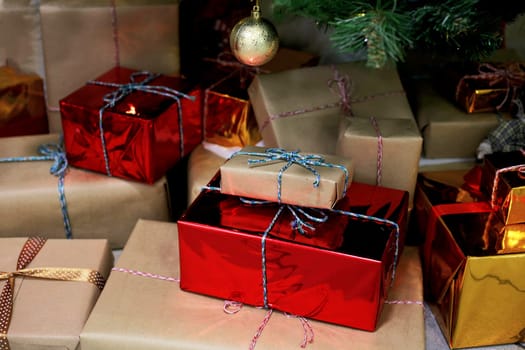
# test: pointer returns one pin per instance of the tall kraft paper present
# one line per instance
(55, 284)
(302, 108)
(143, 307)
(386, 152)
(84, 38)
(97, 206)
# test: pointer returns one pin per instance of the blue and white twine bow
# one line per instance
(112, 98)
(57, 154)
(307, 161)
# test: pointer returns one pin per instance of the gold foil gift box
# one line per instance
(473, 271)
(22, 103)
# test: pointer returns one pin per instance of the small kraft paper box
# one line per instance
(346, 286)
(82, 38)
(447, 130)
(503, 180)
(143, 307)
(135, 133)
(53, 285)
(228, 115)
(302, 108)
(22, 103)
(98, 206)
(385, 152)
(471, 281)
(273, 174)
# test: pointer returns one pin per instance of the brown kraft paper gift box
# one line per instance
(50, 314)
(24, 52)
(134, 304)
(302, 108)
(447, 130)
(82, 39)
(98, 206)
(385, 151)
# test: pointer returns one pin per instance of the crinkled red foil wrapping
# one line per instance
(345, 286)
(255, 218)
(140, 146)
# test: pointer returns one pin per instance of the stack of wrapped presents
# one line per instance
(155, 196)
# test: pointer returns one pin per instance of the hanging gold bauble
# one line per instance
(254, 40)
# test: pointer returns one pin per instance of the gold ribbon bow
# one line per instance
(30, 249)
(511, 74)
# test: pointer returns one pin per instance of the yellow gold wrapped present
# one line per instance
(473, 271)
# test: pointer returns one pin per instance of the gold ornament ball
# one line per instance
(254, 40)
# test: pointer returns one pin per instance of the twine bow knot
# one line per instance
(342, 86)
(56, 153)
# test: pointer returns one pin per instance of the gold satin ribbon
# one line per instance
(30, 249)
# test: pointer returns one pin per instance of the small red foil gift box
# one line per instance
(130, 124)
(345, 286)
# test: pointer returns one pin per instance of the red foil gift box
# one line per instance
(326, 233)
(148, 123)
(345, 286)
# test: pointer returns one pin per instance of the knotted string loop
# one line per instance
(122, 90)
(301, 215)
(342, 85)
(56, 153)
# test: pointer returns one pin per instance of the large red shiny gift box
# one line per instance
(147, 129)
(345, 286)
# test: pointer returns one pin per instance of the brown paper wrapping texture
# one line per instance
(448, 131)
(401, 151)
(51, 314)
(25, 51)
(202, 166)
(136, 312)
(307, 88)
(99, 206)
(79, 42)
(260, 182)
